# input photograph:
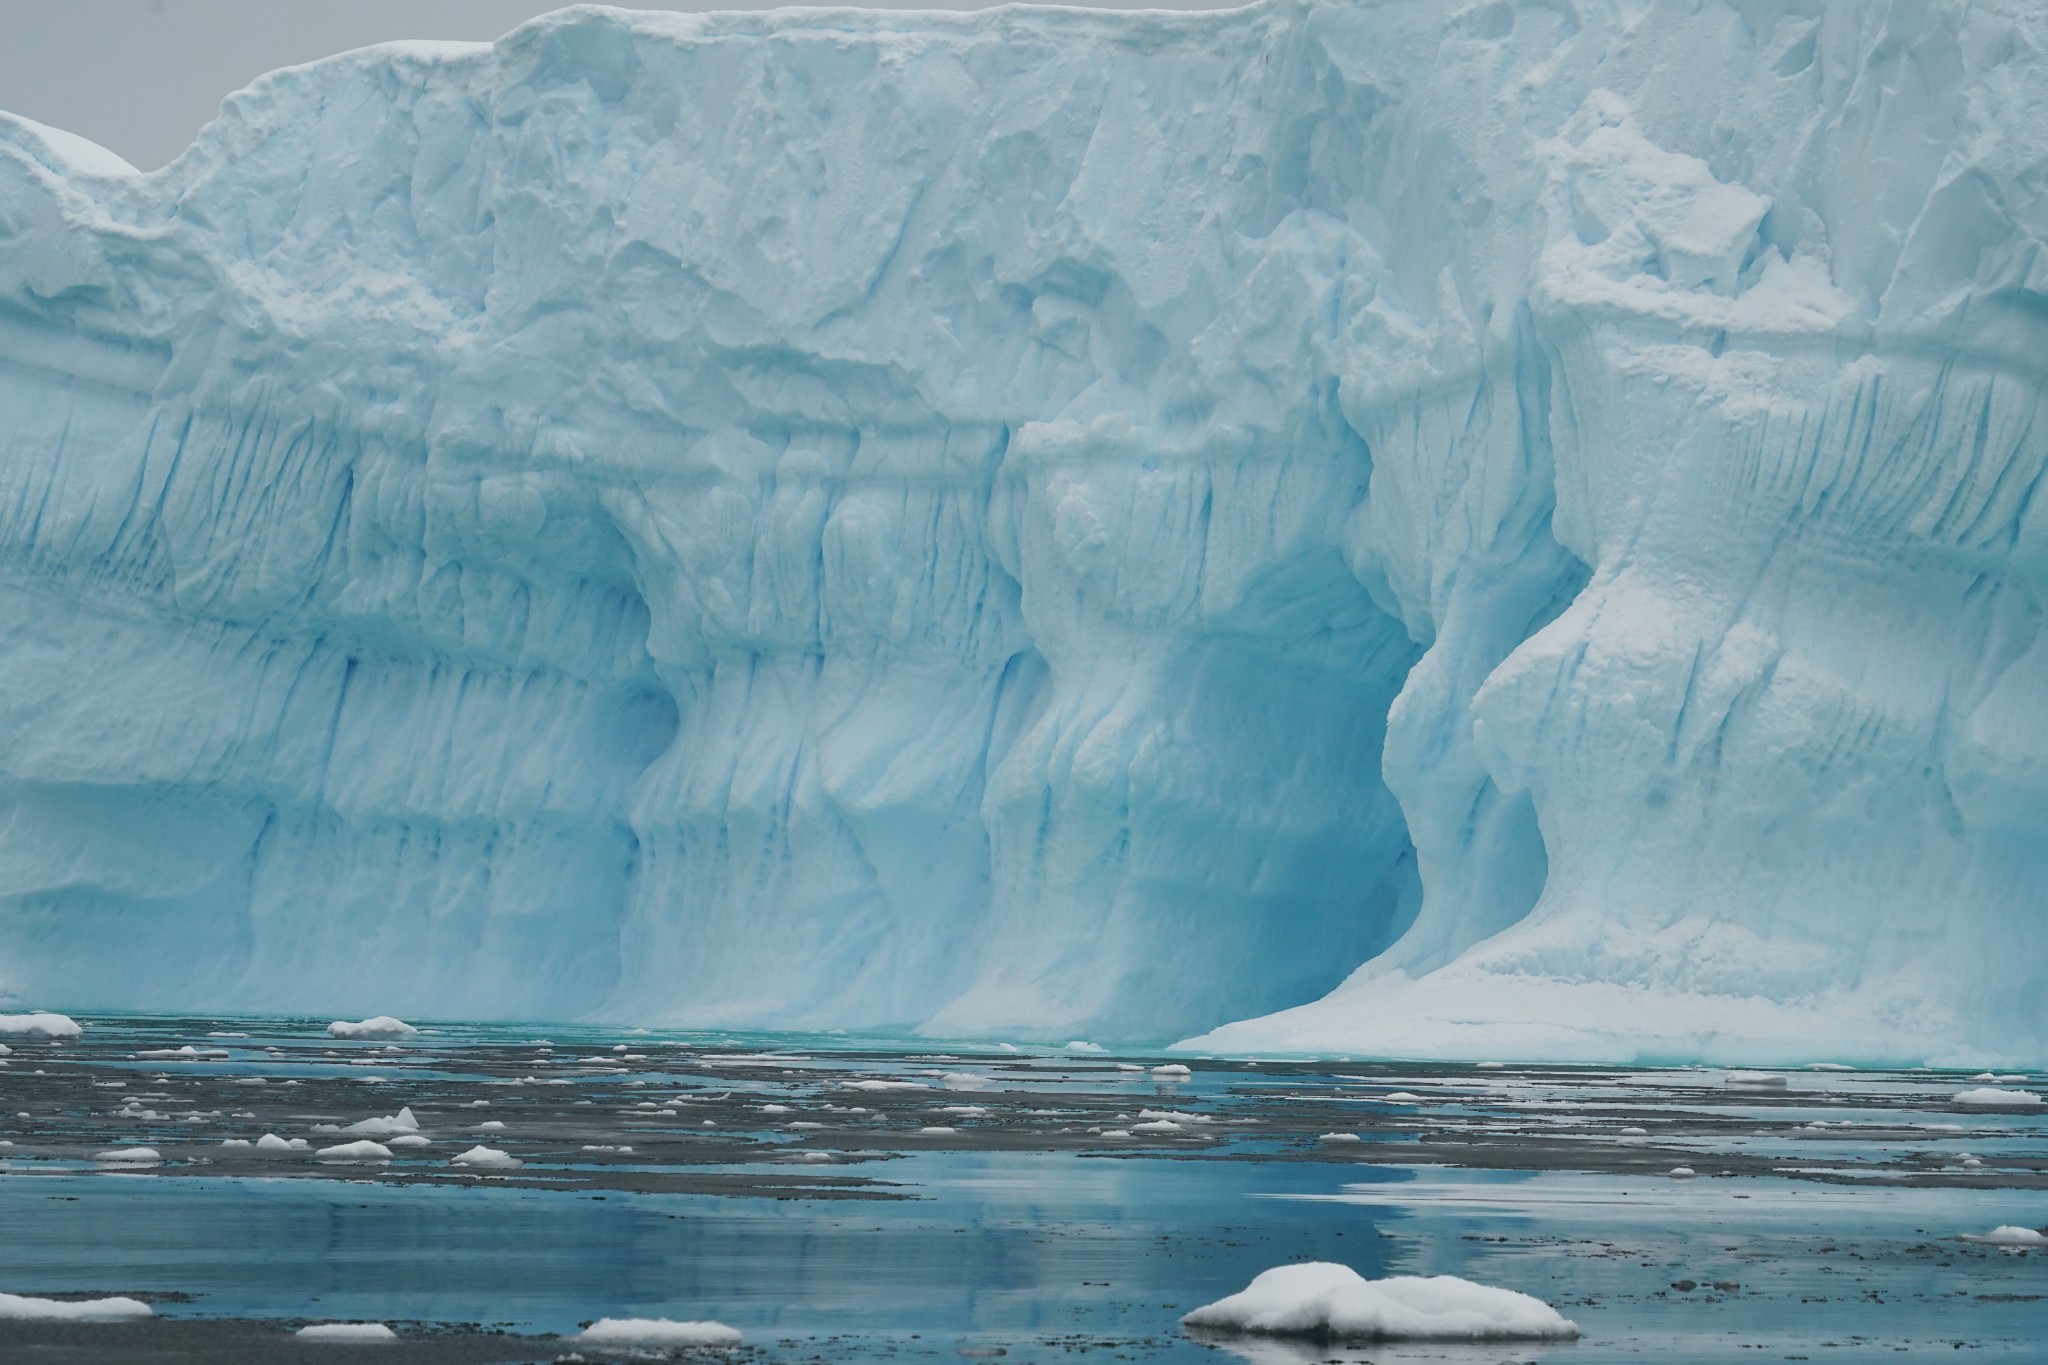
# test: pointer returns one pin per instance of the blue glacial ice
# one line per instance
(1362, 527)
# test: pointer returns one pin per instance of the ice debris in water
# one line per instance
(1987, 1097)
(129, 1156)
(1324, 1301)
(2009, 1235)
(382, 1026)
(38, 1025)
(486, 1159)
(71, 1310)
(657, 1332)
(364, 1150)
(346, 1332)
(271, 1142)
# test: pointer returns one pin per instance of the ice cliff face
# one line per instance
(1510, 531)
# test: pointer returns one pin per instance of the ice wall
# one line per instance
(1048, 523)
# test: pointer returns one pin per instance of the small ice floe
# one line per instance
(1756, 1080)
(657, 1332)
(1161, 1126)
(18, 1307)
(187, 1053)
(1339, 1137)
(357, 1332)
(604, 1147)
(364, 1150)
(490, 1126)
(1990, 1097)
(2008, 1235)
(129, 1156)
(4, 1049)
(1119, 1133)
(1682, 1172)
(1490, 1066)
(409, 1140)
(937, 1130)
(237, 1142)
(38, 1024)
(803, 1126)
(401, 1122)
(880, 1087)
(1402, 1097)
(1078, 1045)
(486, 1159)
(271, 1142)
(383, 1026)
(963, 1080)
(963, 1111)
(775, 1109)
(1322, 1301)
(808, 1156)
(1828, 1066)
(1172, 1071)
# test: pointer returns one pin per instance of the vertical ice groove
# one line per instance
(1510, 535)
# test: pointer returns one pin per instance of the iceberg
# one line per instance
(1317, 528)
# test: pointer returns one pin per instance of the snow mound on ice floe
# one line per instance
(346, 1332)
(38, 1025)
(2008, 1235)
(383, 1026)
(658, 1332)
(1985, 1097)
(19, 1307)
(1326, 1301)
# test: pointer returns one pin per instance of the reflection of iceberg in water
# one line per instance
(1276, 1351)
(1053, 523)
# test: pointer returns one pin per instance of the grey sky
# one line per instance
(142, 76)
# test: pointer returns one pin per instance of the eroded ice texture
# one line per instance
(1054, 523)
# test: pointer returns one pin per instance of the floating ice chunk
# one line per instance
(937, 1130)
(1324, 1301)
(383, 1026)
(401, 1122)
(1172, 1071)
(237, 1142)
(346, 1332)
(38, 1024)
(775, 1109)
(4, 1049)
(1402, 1097)
(963, 1080)
(1683, 1173)
(2009, 1235)
(1079, 1045)
(1339, 1137)
(490, 1126)
(409, 1140)
(1116, 1132)
(129, 1156)
(1769, 1080)
(17, 1306)
(187, 1053)
(364, 1150)
(487, 1159)
(1987, 1097)
(1828, 1066)
(657, 1332)
(1157, 1126)
(1490, 1066)
(877, 1087)
(965, 1111)
(271, 1142)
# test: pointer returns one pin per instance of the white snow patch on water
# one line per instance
(38, 1024)
(382, 1026)
(1323, 1300)
(658, 1332)
(346, 1332)
(19, 1307)
(487, 1158)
